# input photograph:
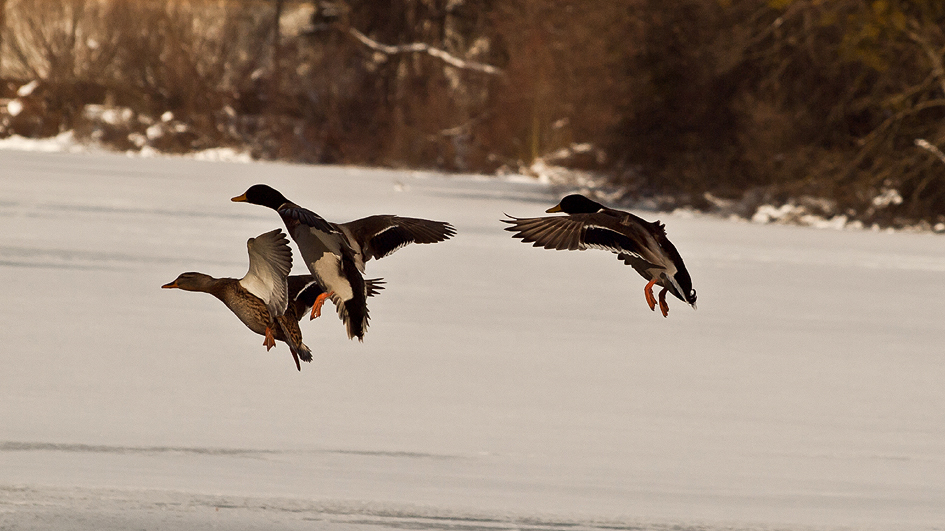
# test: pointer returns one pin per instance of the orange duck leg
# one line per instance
(270, 341)
(663, 306)
(648, 293)
(317, 306)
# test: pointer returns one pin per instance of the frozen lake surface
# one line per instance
(499, 386)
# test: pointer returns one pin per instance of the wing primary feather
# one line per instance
(574, 238)
(382, 235)
(557, 238)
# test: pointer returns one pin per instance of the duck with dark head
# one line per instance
(641, 244)
(335, 253)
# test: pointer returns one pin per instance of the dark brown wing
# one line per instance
(558, 232)
(379, 236)
(583, 231)
(291, 211)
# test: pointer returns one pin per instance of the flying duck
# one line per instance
(262, 297)
(335, 253)
(638, 243)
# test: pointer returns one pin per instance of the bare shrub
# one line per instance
(189, 58)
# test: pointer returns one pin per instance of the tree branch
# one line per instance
(934, 56)
(926, 145)
(419, 47)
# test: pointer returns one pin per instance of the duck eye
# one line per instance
(692, 294)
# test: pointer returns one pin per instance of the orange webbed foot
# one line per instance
(269, 341)
(663, 306)
(317, 306)
(648, 293)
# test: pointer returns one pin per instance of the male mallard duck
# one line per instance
(335, 253)
(639, 243)
(260, 299)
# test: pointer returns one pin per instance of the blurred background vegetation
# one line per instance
(834, 107)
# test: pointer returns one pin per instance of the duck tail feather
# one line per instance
(373, 286)
(304, 353)
(293, 338)
(354, 313)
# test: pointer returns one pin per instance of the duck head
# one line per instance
(191, 282)
(576, 204)
(261, 194)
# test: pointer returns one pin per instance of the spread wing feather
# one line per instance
(382, 235)
(579, 232)
(270, 260)
(386, 242)
(561, 233)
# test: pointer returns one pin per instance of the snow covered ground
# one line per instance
(498, 387)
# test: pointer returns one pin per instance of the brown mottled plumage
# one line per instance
(264, 291)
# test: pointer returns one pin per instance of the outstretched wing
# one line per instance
(270, 260)
(559, 232)
(578, 232)
(379, 236)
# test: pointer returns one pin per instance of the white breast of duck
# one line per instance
(322, 253)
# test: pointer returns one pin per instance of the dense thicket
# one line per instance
(835, 105)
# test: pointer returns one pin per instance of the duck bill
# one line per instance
(170, 285)
(556, 208)
(239, 199)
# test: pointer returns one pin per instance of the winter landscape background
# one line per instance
(498, 387)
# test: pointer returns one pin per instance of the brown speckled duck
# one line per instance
(335, 253)
(262, 297)
(638, 243)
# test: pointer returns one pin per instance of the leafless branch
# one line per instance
(419, 47)
(924, 144)
(934, 55)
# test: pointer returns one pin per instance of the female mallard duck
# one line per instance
(262, 297)
(639, 243)
(335, 253)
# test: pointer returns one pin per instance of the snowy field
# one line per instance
(499, 386)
